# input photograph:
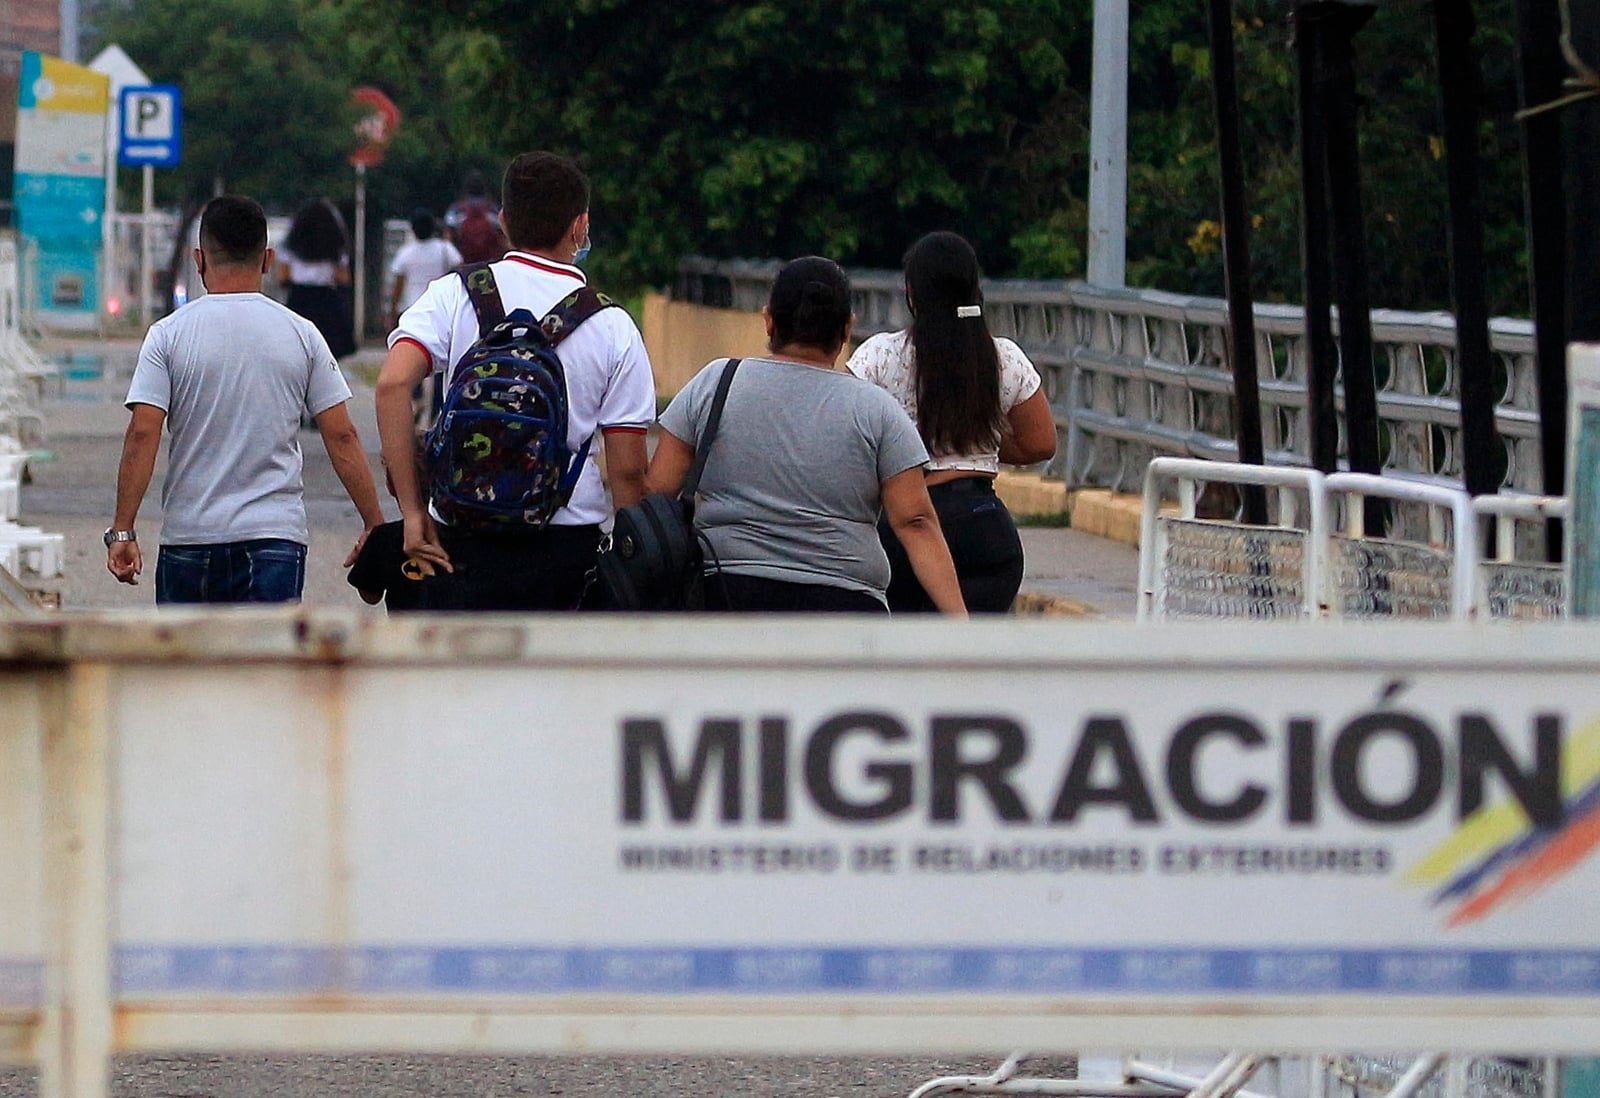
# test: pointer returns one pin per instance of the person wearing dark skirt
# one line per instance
(804, 458)
(314, 263)
(977, 402)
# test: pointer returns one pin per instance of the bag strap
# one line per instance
(560, 322)
(571, 311)
(484, 295)
(692, 482)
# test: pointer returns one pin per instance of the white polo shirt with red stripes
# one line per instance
(609, 383)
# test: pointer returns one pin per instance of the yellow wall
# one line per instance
(681, 338)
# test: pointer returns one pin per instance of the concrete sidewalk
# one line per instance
(73, 492)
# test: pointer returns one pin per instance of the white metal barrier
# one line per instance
(1315, 559)
(1190, 566)
(34, 553)
(22, 373)
(667, 834)
(1508, 586)
(1432, 1075)
(1376, 577)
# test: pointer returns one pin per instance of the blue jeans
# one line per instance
(263, 570)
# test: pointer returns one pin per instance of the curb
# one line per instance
(1098, 511)
(1107, 514)
(1031, 605)
(1030, 493)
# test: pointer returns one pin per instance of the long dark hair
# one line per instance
(957, 369)
(316, 235)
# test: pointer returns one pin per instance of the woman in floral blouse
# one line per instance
(977, 402)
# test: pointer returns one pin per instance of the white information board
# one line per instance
(835, 835)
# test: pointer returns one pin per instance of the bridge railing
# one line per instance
(1133, 374)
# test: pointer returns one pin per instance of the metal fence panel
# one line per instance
(1134, 373)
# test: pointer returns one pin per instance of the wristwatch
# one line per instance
(120, 535)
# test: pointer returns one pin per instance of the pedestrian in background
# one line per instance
(977, 401)
(230, 375)
(472, 222)
(417, 263)
(315, 265)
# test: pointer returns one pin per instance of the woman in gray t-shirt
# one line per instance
(804, 458)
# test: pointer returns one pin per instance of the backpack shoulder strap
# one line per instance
(484, 295)
(691, 483)
(572, 311)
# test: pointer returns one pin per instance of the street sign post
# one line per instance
(150, 137)
(151, 134)
(379, 118)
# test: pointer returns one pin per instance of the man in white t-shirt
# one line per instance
(230, 375)
(419, 262)
(610, 392)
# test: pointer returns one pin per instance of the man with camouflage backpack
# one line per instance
(493, 527)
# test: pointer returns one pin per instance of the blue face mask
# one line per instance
(583, 249)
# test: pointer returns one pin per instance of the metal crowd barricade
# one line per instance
(1316, 559)
(1397, 577)
(1509, 585)
(1431, 1075)
(1134, 1079)
(1192, 566)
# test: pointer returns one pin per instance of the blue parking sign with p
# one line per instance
(150, 126)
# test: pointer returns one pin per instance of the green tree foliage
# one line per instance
(265, 95)
(751, 128)
(758, 129)
(1174, 242)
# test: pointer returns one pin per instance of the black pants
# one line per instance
(983, 543)
(727, 591)
(329, 310)
(534, 570)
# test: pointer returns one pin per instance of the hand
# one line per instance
(422, 544)
(124, 561)
(356, 552)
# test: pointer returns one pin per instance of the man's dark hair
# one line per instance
(543, 193)
(423, 225)
(233, 229)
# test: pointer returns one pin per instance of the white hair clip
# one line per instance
(965, 311)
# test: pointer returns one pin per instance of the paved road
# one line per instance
(204, 1076)
(73, 493)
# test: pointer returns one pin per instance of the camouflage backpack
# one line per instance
(497, 457)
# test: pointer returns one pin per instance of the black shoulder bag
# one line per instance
(652, 559)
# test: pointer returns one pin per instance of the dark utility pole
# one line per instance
(1322, 355)
(1236, 256)
(1539, 71)
(1350, 240)
(1583, 180)
(1333, 239)
(1461, 92)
